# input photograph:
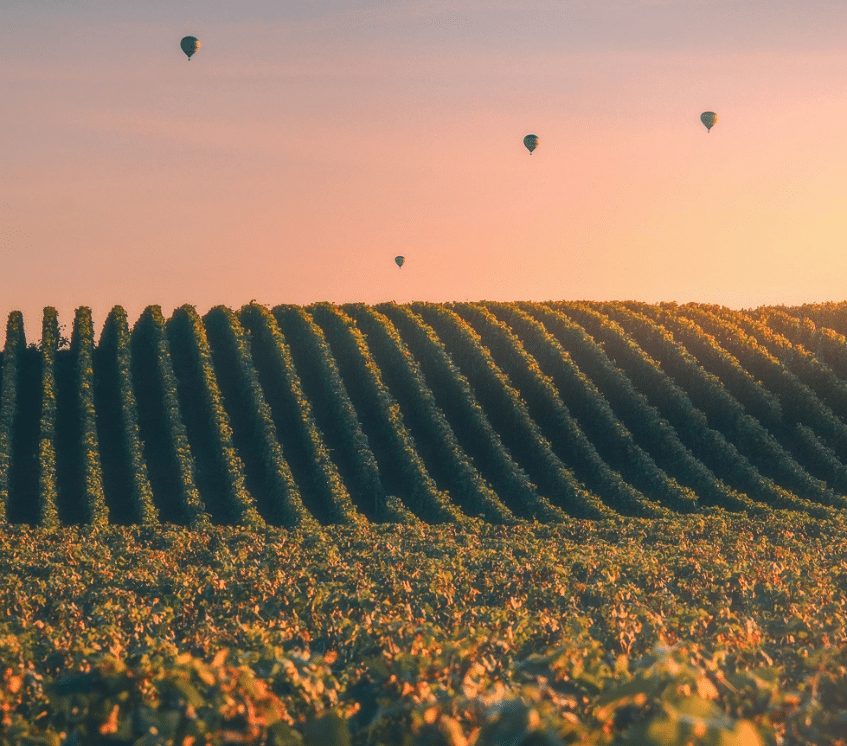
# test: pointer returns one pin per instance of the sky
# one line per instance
(308, 143)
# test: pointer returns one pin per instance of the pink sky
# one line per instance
(303, 147)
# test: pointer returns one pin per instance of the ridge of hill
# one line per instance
(440, 413)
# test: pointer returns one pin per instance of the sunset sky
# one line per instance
(308, 142)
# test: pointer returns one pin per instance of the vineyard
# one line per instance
(469, 524)
(441, 413)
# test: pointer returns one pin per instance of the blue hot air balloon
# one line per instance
(190, 44)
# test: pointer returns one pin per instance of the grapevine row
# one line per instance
(444, 457)
(590, 366)
(473, 429)
(510, 418)
(562, 381)
(706, 443)
(404, 473)
(810, 370)
(8, 404)
(336, 416)
(122, 460)
(799, 402)
(267, 474)
(317, 476)
(438, 413)
(821, 460)
(219, 469)
(166, 450)
(94, 507)
(542, 405)
(826, 344)
(723, 411)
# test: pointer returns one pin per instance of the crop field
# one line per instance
(466, 524)
(709, 630)
(441, 413)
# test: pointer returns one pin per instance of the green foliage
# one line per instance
(149, 330)
(82, 349)
(546, 408)
(186, 332)
(505, 408)
(15, 342)
(331, 404)
(436, 439)
(433, 412)
(651, 431)
(477, 436)
(720, 629)
(48, 494)
(294, 413)
(613, 441)
(233, 360)
(812, 372)
(380, 410)
(800, 404)
(752, 422)
(705, 442)
(115, 342)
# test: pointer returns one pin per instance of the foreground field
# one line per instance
(708, 629)
(442, 413)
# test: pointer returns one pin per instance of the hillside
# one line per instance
(439, 412)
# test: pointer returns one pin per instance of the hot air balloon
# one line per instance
(399, 260)
(709, 118)
(189, 44)
(531, 142)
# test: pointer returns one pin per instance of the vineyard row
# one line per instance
(441, 413)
